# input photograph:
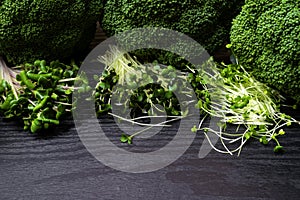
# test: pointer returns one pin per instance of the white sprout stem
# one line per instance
(222, 141)
(276, 128)
(30, 101)
(137, 123)
(158, 116)
(227, 151)
(217, 133)
(68, 80)
(236, 139)
(69, 87)
(192, 70)
(239, 149)
(213, 146)
(153, 105)
(201, 122)
(161, 123)
(62, 103)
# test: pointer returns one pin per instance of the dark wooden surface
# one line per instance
(58, 166)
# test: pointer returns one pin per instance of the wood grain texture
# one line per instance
(57, 166)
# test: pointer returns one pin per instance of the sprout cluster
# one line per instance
(43, 94)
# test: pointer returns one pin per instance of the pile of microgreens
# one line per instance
(40, 94)
(131, 76)
(147, 87)
(227, 93)
(236, 98)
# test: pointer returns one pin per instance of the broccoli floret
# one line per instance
(38, 29)
(265, 39)
(208, 22)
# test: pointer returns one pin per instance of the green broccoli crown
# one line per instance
(265, 39)
(208, 22)
(37, 29)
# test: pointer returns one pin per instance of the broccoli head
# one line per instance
(38, 29)
(208, 22)
(265, 39)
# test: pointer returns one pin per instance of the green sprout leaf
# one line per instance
(263, 140)
(124, 138)
(194, 129)
(278, 149)
(281, 132)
